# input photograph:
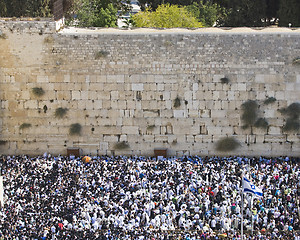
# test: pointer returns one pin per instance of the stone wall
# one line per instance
(121, 87)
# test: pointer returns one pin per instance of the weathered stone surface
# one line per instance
(120, 96)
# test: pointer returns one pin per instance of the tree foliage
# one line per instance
(207, 13)
(244, 13)
(25, 8)
(254, 13)
(96, 13)
(289, 13)
(166, 16)
(102, 13)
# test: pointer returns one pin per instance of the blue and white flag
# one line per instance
(250, 188)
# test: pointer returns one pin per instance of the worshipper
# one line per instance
(135, 197)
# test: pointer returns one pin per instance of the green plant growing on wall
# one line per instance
(261, 123)
(3, 35)
(225, 80)
(293, 110)
(150, 127)
(167, 43)
(48, 39)
(249, 115)
(60, 112)
(227, 144)
(293, 113)
(291, 125)
(38, 91)
(177, 102)
(101, 54)
(296, 60)
(75, 129)
(121, 145)
(138, 95)
(24, 126)
(269, 100)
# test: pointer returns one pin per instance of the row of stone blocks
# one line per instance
(147, 148)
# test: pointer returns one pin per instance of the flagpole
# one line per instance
(251, 215)
(242, 218)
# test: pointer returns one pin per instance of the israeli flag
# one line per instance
(250, 188)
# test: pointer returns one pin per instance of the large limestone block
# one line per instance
(160, 87)
(122, 104)
(205, 113)
(114, 104)
(208, 95)
(148, 138)
(115, 79)
(84, 95)
(270, 113)
(103, 95)
(14, 105)
(193, 113)
(76, 95)
(97, 86)
(147, 113)
(290, 86)
(259, 78)
(214, 130)
(108, 87)
(130, 130)
(275, 138)
(227, 130)
(281, 149)
(295, 149)
(110, 139)
(190, 138)
(114, 95)
(89, 105)
(180, 113)
(63, 95)
(195, 87)
(42, 79)
(293, 138)
(293, 96)
(274, 130)
(67, 78)
(81, 105)
(242, 87)
(200, 95)
(103, 146)
(92, 95)
(161, 138)
(280, 95)
(203, 138)
(137, 86)
(32, 104)
(166, 113)
(230, 95)
(101, 78)
(113, 113)
(218, 113)
(186, 129)
(123, 138)
(216, 95)
(168, 104)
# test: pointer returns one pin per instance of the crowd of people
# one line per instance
(137, 197)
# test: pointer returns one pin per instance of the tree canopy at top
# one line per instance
(232, 13)
(166, 16)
